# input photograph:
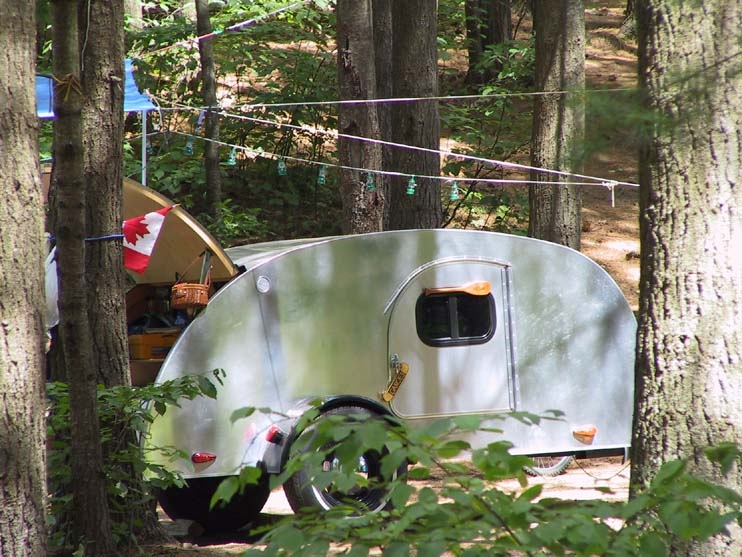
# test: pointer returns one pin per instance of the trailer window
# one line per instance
(455, 319)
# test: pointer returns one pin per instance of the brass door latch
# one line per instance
(399, 373)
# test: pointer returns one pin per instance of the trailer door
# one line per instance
(450, 329)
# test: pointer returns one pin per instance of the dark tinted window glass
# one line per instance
(455, 319)
(434, 318)
(474, 315)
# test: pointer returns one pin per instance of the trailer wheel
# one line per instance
(192, 503)
(548, 466)
(302, 494)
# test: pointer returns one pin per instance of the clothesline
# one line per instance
(334, 134)
(392, 100)
(235, 27)
(255, 153)
(441, 98)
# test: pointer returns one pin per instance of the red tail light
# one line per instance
(274, 435)
(201, 458)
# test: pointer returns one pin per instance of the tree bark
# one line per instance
(363, 202)
(22, 419)
(133, 11)
(558, 120)
(383, 48)
(101, 47)
(208, 92)
(488, 23)
(415, 123)
(91, 522)
(689, 347)
(102, 52)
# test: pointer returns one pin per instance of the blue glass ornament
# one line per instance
(411, 185)
(189, 147)
(282, 170)
(454, 192)
(370, 186)
(322, 176)
(232, 160)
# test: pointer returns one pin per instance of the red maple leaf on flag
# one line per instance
(135, 228)
(140, 235)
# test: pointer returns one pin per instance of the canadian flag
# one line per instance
(140, 235)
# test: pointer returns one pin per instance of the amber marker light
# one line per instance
(585, 433)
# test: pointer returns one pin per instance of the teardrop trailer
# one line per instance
(416, 324)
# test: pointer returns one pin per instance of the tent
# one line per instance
(134, 101)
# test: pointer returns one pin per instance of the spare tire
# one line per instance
(302, 493)
(549, 466)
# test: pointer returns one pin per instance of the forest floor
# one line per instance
(610, 237)
(610, 228)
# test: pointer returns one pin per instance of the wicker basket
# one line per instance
(187, 295)
(193, 295)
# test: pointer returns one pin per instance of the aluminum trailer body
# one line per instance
(338, 317)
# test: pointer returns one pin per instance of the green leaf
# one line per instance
(438, 428)
(397, 549)
(668, 473)
(160, 407)
(418, 473)
(652, 545)
(358, 550)
(725, 454)
(401, 495)
(206, 386)
(225, 491)
(250, 475)
(714, 522)
(532, 492)
(431, 549)
(451, 449)
(468, 422)
(242, 413)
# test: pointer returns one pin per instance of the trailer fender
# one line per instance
(282, 434)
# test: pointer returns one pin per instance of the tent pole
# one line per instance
(144, 147)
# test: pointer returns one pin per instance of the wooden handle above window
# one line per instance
(476, 288)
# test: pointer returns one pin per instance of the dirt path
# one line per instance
(611, 218)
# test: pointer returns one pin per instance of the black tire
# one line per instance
(302, 494)
(192, 503)
(549, 466)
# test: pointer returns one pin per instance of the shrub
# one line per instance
(469, 515)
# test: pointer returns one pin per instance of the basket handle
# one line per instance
(205, 268)
(205, 277)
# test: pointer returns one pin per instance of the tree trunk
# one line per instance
(415, 74)
(208, 92)
(629, 19)
(558, 120)
(382, 14)
(102, 52)
(363, 200)
(91, 522)
(133, 11)
(22, 426)
(689, 348)
(488, 23)
(474, 14)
